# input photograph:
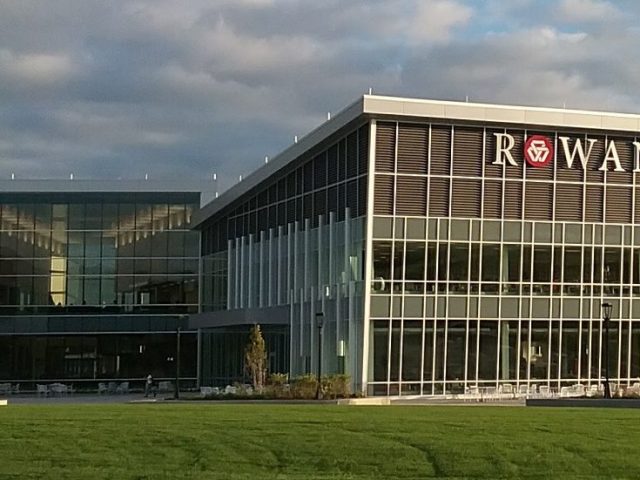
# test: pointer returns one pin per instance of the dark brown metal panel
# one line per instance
(593, 203)
(363, 149)
(467, 151)
(538, 203)
(352, 155)
(492, 201)
(575, 173)
(624, 147)
(595, 160)
(439, 197)
(513, 200)
(413, 148)
(385, 146)
(619, 204)
(383, 195)
(411, 195)
(466, 197)
(540, 173)
(320, 170)
(362, 195)
(332, 165)
(569, 202)
(491, 170)
(517, 153)
(440, 149)
(352, 197)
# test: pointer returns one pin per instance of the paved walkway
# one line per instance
(79, 399)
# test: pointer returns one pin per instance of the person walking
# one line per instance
(148, 385)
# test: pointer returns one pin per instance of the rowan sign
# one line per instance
(539, 151)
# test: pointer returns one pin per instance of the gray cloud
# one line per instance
(121, 88)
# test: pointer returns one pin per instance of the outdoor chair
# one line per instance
(506, 389)
(523, 390)
(102, 388)
(42, 390)
(5, 389)
(16, 389)
(545, 391)
(112, 387)
(123, 388)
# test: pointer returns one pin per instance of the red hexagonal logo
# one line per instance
(538, 151)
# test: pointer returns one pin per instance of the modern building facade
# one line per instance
(95, 278)
(446, 245)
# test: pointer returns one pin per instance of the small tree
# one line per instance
(255, 358)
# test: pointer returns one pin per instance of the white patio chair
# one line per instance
(5, 388)
(506, 390)
(42, 390)
(545, 391)
(123, 388)
(102, 388)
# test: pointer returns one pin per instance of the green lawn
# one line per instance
(316, 441)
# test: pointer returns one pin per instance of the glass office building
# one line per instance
(482, 241)
(95, 278)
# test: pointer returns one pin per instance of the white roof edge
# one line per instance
(417, 107)
(489, 112)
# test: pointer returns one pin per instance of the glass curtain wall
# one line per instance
(459, 303)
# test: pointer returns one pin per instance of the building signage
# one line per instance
(539, 151)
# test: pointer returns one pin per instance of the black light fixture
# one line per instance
(606, 316)
(319, 324)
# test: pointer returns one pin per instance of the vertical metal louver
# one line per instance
(569, 202)
(439, 197)
(385, 147)
(513, 200)
(466, 197)
(538, 200)
(411, 195)
(467, 152)
(575, 173)
(383, 195)
(619, 204)
(440, 150)
(332, 199)
(593, 203)
(413, 148)
(492, 200)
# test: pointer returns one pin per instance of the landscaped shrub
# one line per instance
(304, 386)
(277, 386)
(336, 386)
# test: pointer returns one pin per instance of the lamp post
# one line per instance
(606, 315)
(319, 324)
(176, 394)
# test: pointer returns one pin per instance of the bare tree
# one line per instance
(255, 358)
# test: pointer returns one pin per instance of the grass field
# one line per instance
(316, 441)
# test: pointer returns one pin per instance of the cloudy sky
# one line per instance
(109, 89)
